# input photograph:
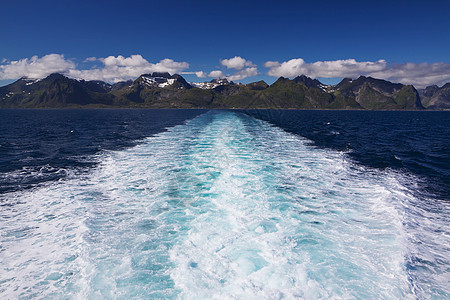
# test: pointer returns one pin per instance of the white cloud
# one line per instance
(36, 67)
(328, 69)
(247, 72)
(169, 65)
(245, 68)
(237, 63)
(216, 74)
(123, 68)
(270, 64)
(114, 68)
(200, 74)
(420, 75)
(90, 59)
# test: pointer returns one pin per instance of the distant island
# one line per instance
(162, 90)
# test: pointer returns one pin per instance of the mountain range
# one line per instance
(162, 90)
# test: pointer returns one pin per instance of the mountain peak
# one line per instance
(162, 80)
(309, 82)
(55, 76)
(161, 74)
(216, 82)
(221, 81)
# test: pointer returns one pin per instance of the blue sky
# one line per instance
(403, 41)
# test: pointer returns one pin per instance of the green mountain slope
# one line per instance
(162, 90)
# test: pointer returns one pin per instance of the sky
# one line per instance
(244, 41)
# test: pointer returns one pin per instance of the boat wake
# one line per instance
(225, 206)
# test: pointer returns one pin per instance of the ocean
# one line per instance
(224, 204)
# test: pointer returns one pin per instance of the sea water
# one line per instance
(224, 206)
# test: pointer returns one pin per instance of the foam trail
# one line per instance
(224, 206)
(278, 219)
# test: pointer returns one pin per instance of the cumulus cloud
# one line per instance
(119, 68)
(237, 63)
(328, 69)
(247, 72)
(420, 75)
(244, 68)
(216, 74)
(90, 59)
(114, 69)
(200, 74)
(36, 67)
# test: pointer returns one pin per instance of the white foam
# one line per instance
(282, 220)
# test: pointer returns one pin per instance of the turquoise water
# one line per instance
(225, 206)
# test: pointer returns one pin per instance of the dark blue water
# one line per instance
(409, 141)
(45, 145)
(37, 146)
(192, 204)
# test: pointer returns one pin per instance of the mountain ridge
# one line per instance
(163, 90)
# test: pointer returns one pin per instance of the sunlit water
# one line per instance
(225, 207)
